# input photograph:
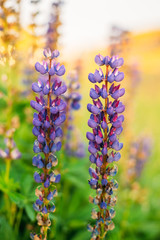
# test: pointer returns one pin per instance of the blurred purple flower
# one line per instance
(11, 152)
(140, 151)
(73, 146)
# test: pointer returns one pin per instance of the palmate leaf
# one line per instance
(9, 186)
(17, 191)
(20, 199)
(17, 198)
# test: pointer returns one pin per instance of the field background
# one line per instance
(138, 209)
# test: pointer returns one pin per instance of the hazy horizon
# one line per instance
(86, 24)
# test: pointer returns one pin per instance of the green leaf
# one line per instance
(6, 232)
(30, 212)
(75, 181)
(26, 183)
(82, 235)
(17, 198)
(9, 186)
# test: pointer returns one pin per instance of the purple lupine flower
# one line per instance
(140, 151)
(52, 34)
(106, 125)
(135, 76)
(11, 152)
(72, 98)
(47, 121)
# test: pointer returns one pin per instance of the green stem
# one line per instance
(7, 201)
(19, 217)
(8, 166)
(13, 211)
(45, 232)
(102, 231)
(103, 167)
(46, 216)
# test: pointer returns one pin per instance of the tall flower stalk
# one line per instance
(73, 145)
(52, 34)
(140, 152)
(51, 114)
(106, 124)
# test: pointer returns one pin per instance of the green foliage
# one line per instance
(6, 230)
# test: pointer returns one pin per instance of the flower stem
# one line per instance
(19, 218)
(46, 161)
(103, 167)
(7, 202)
(8, 166)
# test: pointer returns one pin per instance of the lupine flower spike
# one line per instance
(106, 124)
(47, 122)
(73, 145)
(140, 152)
(52, 34)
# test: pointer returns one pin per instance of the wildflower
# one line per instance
(106, 125)
(73, 146)
(52, 34)
(140, 151)
(11, 152)
(47, 122)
